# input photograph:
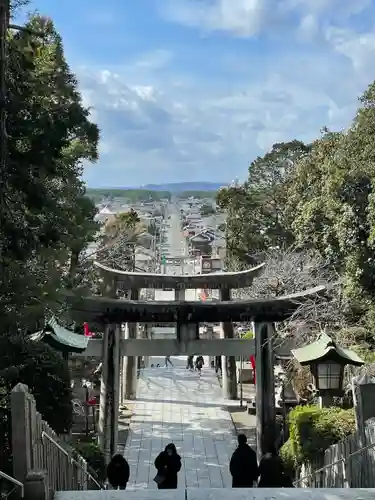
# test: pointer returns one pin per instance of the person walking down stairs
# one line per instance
(272, 472)
(243, 465)
(168, 465)
(118, 472)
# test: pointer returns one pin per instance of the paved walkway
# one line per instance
(175, 405)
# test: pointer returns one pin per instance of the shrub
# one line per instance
(312, 430)
(94, 457)
(286, 453)
(45, 373)
(249, 335)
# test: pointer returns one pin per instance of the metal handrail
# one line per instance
(342, 460)
(45, 435)
(72, 460)
(87, 473)
(14, 481)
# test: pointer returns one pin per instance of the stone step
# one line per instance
(222, 494)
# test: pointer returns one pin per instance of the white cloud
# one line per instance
(155, 60)
(309, 28)
(158, 126)
(211, 133)
(242, 17)
(246, 18)
(359, 48)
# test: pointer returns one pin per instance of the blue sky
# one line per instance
(192, 90)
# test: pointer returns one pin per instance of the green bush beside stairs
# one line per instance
(312, 430)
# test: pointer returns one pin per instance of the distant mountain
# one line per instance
(179, 187)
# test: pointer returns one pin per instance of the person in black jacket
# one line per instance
(190, 363)
(243, 465)
(168, 465)
(118, 472)
(272, 472)
(217, 364)
(199, 362)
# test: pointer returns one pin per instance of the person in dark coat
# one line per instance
(271, 471)
(190, 363)
(243, 465)
(217, 364)
(199, 362)
(200, 359)
(118, 472)
(168, 465)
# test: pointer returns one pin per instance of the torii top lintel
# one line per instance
(213, 281)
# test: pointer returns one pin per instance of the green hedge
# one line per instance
(94, 457)
(312, 430)
(249, 335)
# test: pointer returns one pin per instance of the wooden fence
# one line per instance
(348, 464)
(37, 448)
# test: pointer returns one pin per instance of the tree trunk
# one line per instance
(74, 259)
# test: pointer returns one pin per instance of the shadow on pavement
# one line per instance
(182, 403)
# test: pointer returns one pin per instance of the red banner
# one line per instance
(252, 361)
(86, 330)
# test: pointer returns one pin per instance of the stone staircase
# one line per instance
(222, 494)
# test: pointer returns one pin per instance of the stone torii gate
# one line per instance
(187, 330)
(117, 352)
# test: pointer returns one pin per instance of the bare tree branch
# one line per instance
(290, 271)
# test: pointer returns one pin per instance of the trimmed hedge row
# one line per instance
(312, 430)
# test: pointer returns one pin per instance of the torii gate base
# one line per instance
(114, 348)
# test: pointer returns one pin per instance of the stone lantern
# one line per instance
(327, 362)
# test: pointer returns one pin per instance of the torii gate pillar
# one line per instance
(109, 386)
(228, 363)
(264, 386)
(130, 363)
